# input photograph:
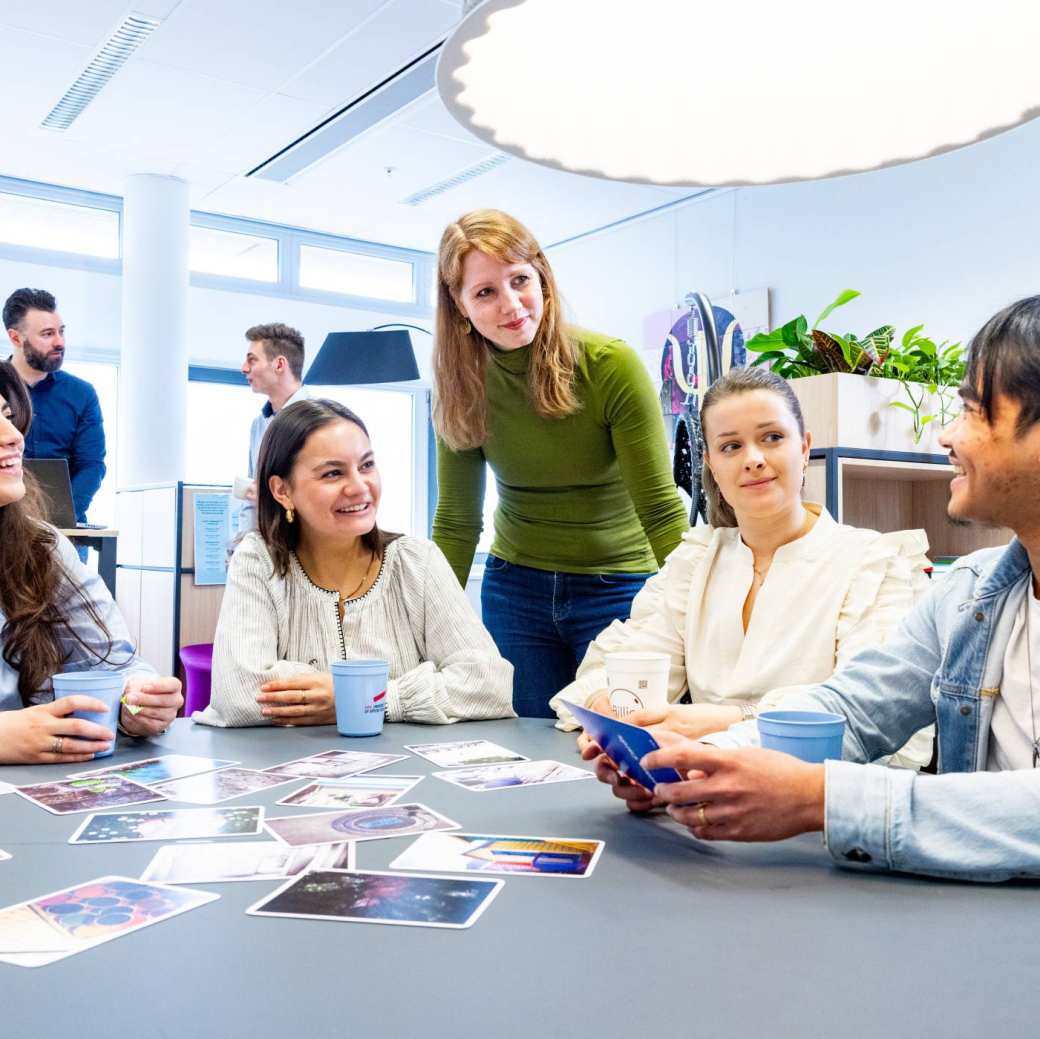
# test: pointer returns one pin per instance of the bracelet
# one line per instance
(748, 712)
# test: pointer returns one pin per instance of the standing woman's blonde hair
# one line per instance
(460, 352)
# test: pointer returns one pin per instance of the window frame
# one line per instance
(68, 197)
(289, 239)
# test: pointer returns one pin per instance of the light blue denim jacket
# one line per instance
(944, 664)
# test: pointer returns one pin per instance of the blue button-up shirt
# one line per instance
(67, 424)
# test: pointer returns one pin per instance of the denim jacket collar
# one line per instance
(1008, 569)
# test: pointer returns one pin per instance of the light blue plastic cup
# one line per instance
(360, 687)
(106, 686)
(810, 735)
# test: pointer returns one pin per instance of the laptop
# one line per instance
(52, 474)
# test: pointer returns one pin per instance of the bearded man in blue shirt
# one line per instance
(66, 415)
(966, 658)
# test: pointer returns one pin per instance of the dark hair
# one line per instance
(283, 441)
(740, 380)
(1004, 357)
(33, 582)
(23, 300)
(280, 340)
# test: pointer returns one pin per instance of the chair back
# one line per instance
(198, 664)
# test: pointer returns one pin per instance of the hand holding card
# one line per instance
(626, 745)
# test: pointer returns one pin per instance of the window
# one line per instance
(41, 224)
(105, 380)
(487, 535)
(218, 421)
(388, 414)
(355, 274)
(233, 255)
(217, 450)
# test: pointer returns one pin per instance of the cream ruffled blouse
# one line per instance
(826, 596)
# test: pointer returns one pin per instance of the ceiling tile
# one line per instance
(258, 43)
(73, 20)
(399, 32)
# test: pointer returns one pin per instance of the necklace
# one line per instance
(364, 577)
(761, 573)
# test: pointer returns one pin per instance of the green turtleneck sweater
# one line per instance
(590, 493)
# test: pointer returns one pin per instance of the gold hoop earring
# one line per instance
(289, 515)
(466, 328)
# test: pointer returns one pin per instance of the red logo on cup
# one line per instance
(379, 696)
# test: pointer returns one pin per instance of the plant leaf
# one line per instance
(909, 335)
(765, 341)
(846, 296)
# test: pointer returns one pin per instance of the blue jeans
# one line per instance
(543, 621)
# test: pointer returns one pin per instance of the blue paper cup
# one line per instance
(106, 686)
(360, 687)
(810, 735)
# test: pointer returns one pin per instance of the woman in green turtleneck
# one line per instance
(569, 423)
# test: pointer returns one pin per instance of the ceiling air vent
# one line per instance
(478, 169)
(113, 54)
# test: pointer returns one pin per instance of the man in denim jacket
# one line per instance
(980, 817)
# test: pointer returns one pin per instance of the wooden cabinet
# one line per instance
(894, 490)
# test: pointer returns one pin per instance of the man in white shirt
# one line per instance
(967, 658)
(273, 367)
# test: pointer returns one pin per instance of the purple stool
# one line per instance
(197, 661)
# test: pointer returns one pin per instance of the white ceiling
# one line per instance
(222, 85)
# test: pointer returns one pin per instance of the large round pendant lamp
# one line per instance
(716, 92)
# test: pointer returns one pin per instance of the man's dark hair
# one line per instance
(1004, 358)
(280, 340)
(22, 300)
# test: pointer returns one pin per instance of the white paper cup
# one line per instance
(636, 681)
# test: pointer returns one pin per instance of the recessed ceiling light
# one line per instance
(113, 54)
(685, 92)
(478, 169)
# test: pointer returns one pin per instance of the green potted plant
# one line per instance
(848, 384)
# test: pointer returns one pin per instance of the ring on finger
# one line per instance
(702, 815)
(57, 744)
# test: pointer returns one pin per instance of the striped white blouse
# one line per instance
(444, 666)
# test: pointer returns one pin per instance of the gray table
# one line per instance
(668, 937)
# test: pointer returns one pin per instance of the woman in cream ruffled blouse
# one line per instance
(774, 593)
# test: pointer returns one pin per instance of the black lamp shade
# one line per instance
(355, 358)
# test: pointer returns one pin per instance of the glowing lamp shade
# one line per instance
(689, 92)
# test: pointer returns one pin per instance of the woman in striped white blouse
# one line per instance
(320, 582)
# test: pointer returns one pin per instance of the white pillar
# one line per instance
(153, 369)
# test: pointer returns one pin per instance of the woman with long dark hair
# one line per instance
(570, 425)
(55, 616)
(319, 581)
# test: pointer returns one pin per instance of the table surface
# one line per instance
(669, 936)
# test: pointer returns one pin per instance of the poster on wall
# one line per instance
(666, 334)
(698, 342)
(212, 534)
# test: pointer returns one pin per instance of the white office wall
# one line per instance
(946, 241)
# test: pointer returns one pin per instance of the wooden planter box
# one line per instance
(854, 411)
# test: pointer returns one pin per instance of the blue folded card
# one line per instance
(625, 745)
